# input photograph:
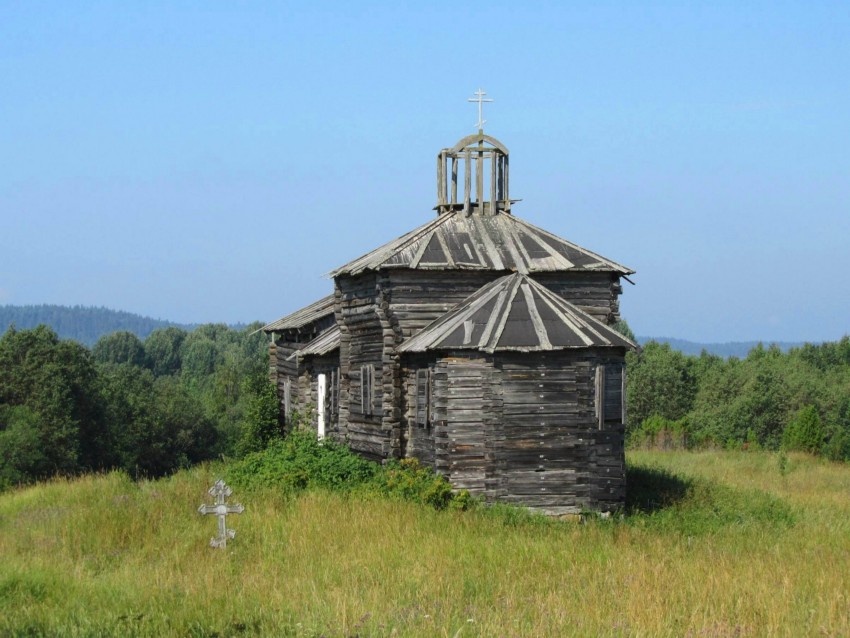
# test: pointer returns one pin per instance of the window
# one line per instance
(367, 389)
(332, 397)
(423, 397)
(610, 394)
(287, 399)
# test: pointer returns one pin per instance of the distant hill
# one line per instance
(85, 324)
(729, 349)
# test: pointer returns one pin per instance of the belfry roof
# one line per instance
(515, 313)
(478, 241)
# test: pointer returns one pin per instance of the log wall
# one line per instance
(417, 439)
(557, 459)
(467, 437)
(521, 428)
(416, 298)
(364, 334)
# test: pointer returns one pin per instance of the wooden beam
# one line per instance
(441, 169)
(507, 187)
(479, 177)
(467, 183)
(454, 180)
(493, 163)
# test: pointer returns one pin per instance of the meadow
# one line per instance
(714, 544)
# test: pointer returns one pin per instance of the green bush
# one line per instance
(21, 453)
(660, 381)
(299, 462)
(261, 422)
(658, 432)
(837, 448)
(408, 480)
(804, 432)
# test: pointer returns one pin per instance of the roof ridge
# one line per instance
(625, 269)
(392, 247)
(499, 240)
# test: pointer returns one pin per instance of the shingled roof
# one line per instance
(516, 313)
(477, 241)
(325, 343)
(300, 318)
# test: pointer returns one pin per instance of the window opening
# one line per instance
(423, 397)
(610, 394)
(367, 389)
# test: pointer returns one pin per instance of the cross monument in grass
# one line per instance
(221, 509)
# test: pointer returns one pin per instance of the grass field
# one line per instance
(717, 544)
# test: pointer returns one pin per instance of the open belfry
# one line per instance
(476, 343)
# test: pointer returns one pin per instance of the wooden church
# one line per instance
(477, 343)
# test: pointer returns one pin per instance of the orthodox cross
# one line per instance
(221, 509)
(479, 97)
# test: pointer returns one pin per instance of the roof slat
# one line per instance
(306, 315)
(325, 343)
(497, 237)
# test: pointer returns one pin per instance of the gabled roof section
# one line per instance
(325, 343)
(307, 315)
(475, 241)
(515, 313)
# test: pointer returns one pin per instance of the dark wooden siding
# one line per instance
(464, 445)
(549, 418)
(557, 458)
(521, 428)
(419, 437)
(360, 344)
(284, 374)
(416, 298)
(367, 343)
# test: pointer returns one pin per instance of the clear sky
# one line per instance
(211, 161)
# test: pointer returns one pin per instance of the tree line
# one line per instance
(797, 400)
(178, 397)
(148, 406)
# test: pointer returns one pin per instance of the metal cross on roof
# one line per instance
(479, 97)
(221, 509)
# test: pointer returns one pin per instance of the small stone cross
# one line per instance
(221, 509)
(479, 97)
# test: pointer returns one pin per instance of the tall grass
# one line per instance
(715, 544)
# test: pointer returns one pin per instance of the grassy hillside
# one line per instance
(717, 544)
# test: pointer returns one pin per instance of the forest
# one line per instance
(797, 400)
(146, 407)
(150, 407)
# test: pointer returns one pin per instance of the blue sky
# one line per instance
(210, 161)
